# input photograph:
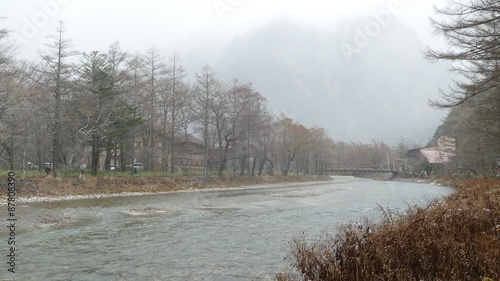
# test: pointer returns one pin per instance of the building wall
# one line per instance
(447, 144)
(188, 155)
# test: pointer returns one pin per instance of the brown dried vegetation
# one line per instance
(56, 187)
(454, 239)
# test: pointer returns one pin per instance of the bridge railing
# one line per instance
(364, 170)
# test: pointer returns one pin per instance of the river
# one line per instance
(239, 234)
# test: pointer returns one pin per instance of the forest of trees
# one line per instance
(472, 31)
(68, 107)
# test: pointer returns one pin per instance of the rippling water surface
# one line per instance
(209, 235)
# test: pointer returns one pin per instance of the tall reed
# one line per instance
(454, 239)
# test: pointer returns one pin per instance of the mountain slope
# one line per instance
(381, 92)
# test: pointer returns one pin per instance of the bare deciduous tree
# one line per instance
(206, 87)
(292, 138)
(176, 92)
(155, 74)
(17, 91)
(136, 81)
(55, 75)
(472, 30)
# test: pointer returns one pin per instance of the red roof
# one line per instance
(436, 156)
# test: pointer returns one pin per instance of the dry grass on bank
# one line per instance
(55, 187)
(456, 239)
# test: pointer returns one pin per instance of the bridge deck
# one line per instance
(360, 170)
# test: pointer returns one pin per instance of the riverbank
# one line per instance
(457, 238)
(54, 189)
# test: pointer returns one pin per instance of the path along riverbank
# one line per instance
(57, 189)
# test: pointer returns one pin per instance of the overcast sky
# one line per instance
(138, 25)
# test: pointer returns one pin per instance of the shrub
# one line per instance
(456, 239)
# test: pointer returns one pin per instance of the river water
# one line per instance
(206, 235)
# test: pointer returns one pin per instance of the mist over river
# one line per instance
(239, 234)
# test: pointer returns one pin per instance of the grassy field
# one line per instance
(454, 239)
(74, 173)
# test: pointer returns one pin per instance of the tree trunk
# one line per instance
(39, 155)
(171, 152)
(205, 141)
(289, 162)
(222, 166)
(243, 163)
(55, 140)
(262, 164)
(94, 162)
(223, 162)
(57, 122)
(122, 158)
(132, 156)
(108, 157)
(254, 162)
(287, 167)
(165, 156)
(118, 147)
(10, 153)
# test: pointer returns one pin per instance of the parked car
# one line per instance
(138, 167)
